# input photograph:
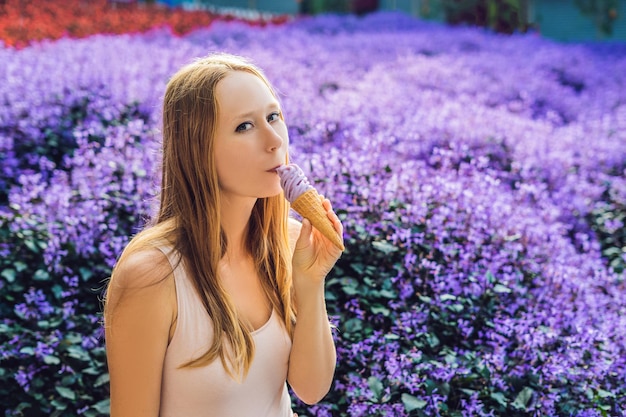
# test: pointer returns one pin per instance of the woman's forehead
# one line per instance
(242, 91)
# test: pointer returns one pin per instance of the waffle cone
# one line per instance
(309, 206)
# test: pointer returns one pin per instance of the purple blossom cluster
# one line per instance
(480, 178)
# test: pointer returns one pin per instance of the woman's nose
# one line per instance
(274, 139)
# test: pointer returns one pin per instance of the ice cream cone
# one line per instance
(309, 206)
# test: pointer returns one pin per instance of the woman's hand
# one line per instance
(315, 255)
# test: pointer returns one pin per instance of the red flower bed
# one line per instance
(22, 22)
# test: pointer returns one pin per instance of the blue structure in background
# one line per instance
(562, 20)
(269, 6)
(273, 6)
(556, 19)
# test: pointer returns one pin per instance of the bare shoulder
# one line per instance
(294, 232)
(142, 284)
(142, 268)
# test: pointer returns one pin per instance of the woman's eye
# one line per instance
(243, 127)
(273, 116)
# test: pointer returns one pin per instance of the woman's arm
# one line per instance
(313, 356)
(140, 309)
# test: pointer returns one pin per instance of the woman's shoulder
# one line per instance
(142, 281)
(141, 268)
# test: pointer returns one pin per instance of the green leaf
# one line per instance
(430, 386)
(432, 339)
(387, 294)
(27, 350)
(350, 290)
(51, 360)
(102, 406)
(612, 251)
(59, 406)
(30, 244)
(425, 299)
(77, 352)
(384, 247)
(412, 403)
(375, 385)
(450, 358)
(501, 289)
(8, 274)
(66, 393)
(457, 308)
(499, 397)
(92, 371)
(102, 379)
(605, 394)
(353, 325)
(443, 388)
(359, 268)
(85, 273)
(378, 309)
(20, 266)
(58, 291)
(522, 399)
(41, 275)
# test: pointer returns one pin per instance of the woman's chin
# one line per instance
(273, 192)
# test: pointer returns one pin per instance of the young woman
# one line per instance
(220, 301)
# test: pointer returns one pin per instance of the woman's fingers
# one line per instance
(334, 219)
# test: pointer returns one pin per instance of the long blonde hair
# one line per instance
(189, 215)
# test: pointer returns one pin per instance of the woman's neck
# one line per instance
(235, 214)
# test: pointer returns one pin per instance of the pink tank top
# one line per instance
(208, 391)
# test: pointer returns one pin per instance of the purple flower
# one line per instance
(25, 376)
(35, 307)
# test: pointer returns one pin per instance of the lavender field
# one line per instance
(481, 180)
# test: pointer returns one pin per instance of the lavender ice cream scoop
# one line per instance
(293, 181)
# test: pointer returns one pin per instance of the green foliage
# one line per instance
(505, 16)
(60, 358)
(325, 6)
(338, 6)
(604, 13)
(508, 16)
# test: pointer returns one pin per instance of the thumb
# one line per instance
(305, 234)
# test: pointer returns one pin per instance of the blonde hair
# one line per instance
(189, 215)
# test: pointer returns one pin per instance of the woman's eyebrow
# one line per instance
(244, 115)
(249, 114)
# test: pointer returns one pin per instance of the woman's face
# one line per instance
(251, 137)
